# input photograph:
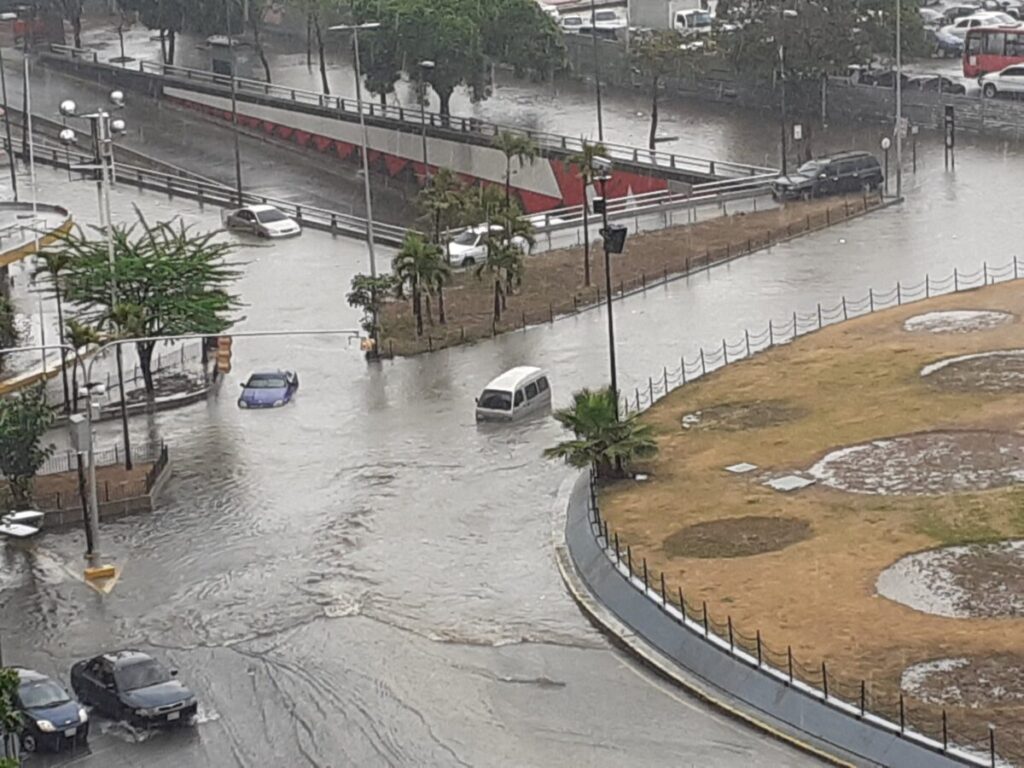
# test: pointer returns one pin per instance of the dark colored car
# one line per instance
(947, 44)
(844, 172)
(935, 84)
(50, 719)
(269, 389)
(134, 687)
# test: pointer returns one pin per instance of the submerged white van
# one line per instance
(516, 393)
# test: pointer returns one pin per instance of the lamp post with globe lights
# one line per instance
(103, 129)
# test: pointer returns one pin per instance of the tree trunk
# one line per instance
(417, 307)
(651, 143)
(497, 300)
(144, 349)
(257, 26)
(508, 180)
(320, 53)
(440, 306)
(172, 38)
(163, 45)
(430, 314)
(383, 99)
(21, 492)
(586, 237)
(76, 27)
(309, 41)
(74, 389)
(444, 97)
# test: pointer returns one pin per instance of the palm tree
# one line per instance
(53, 263)
(416, 260)
(78, 335)
(584, 160)
(500, 261)
(436, 275)
(601, 439)
(518, 146)
(443, 201)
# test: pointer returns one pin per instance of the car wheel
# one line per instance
(469, 261)
(29, 743)
(989, 90)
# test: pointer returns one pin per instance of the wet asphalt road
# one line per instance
(366, 577)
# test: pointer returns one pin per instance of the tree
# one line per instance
(315, 12)
(53, 265)
(170, 281)
(501, 258)
(24, 419)
(584, 161)
(443, 202)
(79, 336)
(368, 294)
(516, 146)
(10, 717)
(414, 264)
(600, 439)
(435, 277)
(257, 12)
(656, 56)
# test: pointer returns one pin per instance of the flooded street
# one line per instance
(366, 577)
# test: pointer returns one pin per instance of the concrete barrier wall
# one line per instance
(864, 738)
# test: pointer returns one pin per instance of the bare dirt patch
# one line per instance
(929, 463)
(967, 682)
(553, 282)
(754, 414)
(736, 537)
(979, 580)
(1000, 371)
(956, 321)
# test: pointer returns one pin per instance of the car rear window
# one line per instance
(495, 400)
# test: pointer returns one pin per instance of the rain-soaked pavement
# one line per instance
(366, 577)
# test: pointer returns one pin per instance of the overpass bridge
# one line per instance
(399, 138)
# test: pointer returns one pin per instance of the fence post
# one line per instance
(945, 731)
(819, 315)
(629, 559)
(117, 459)
(551, 313)
(903, 716)
(1015, 267)
(984, 266)
(650, 389)
(643, 281)
(645, 575)
(746, 336)
(824, 680)
(664, 374)
(794, 325)
(664, 600)
(991, 728)
(638, 398)
(725, 353)
(703, 368)
(789, 658)
(871, 299)
(899, 294)
(845, 316)
(704, 609)
(771, 334)
(956, 279)
(863, 697)
(682, 368)
(927, 286)
(618, 556)
(759, 649)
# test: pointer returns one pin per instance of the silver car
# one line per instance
(262, 221)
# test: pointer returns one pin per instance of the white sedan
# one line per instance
(960, 27)
(263, 221)
(1009, 80)
(470, 246)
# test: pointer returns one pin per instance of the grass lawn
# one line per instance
(802, 567)
(553, 283)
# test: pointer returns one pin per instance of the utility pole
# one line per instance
(597, 69)
(234, 107)
(899, 105)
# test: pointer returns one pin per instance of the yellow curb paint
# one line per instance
(103, 579)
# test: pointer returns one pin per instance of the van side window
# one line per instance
(531, 390)
(519, 397)
(542, 384)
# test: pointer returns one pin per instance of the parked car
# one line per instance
(843, 172)
(470, 246)
(571, 23)
(269, 389)
(935, 84)
(959, 10)
(982, 19)
(931, 17)
(881, 78)
(134, 687)
(1006, 81)
(51, 720)
(947, 44)
(263, 221)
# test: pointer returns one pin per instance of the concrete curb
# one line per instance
(624, 638)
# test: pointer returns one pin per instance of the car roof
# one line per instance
(125, 657)
(850, 154)
(260, 208)
(267, 374)
(513, 377)
(29, 675)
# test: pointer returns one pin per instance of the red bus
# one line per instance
(990, 49)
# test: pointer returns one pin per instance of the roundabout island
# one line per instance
(857, 498)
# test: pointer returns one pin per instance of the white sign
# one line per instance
(798, 132)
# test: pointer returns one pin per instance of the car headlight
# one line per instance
(83, 716)
(190, 701)
(242, 404)
(45, 726)
(144, 712)
(278, 403)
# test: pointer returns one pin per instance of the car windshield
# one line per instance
(701, 19)
(269, 217)
(141, 674)
(42, 693)
(496, 400)
(266, 382)
(605, 16)
(466, 238)
(810, 168)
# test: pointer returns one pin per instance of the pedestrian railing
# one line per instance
(468, 127)
(67, 460)
(933, 727)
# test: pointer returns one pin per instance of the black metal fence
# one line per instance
(66, 461)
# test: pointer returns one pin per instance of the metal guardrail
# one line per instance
(415, 118)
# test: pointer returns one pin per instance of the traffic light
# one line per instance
(367, 344)
(224, 354)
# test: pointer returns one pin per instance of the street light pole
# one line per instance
(425, 66)
(234, 108)
(899, 105)
(7, 127)
(782, 121)
(597, 69)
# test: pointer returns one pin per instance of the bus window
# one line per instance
(974, 43)
(994, 43)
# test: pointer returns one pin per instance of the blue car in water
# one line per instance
(269, 389)
(51, 720)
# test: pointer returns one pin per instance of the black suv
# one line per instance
(845, 172)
